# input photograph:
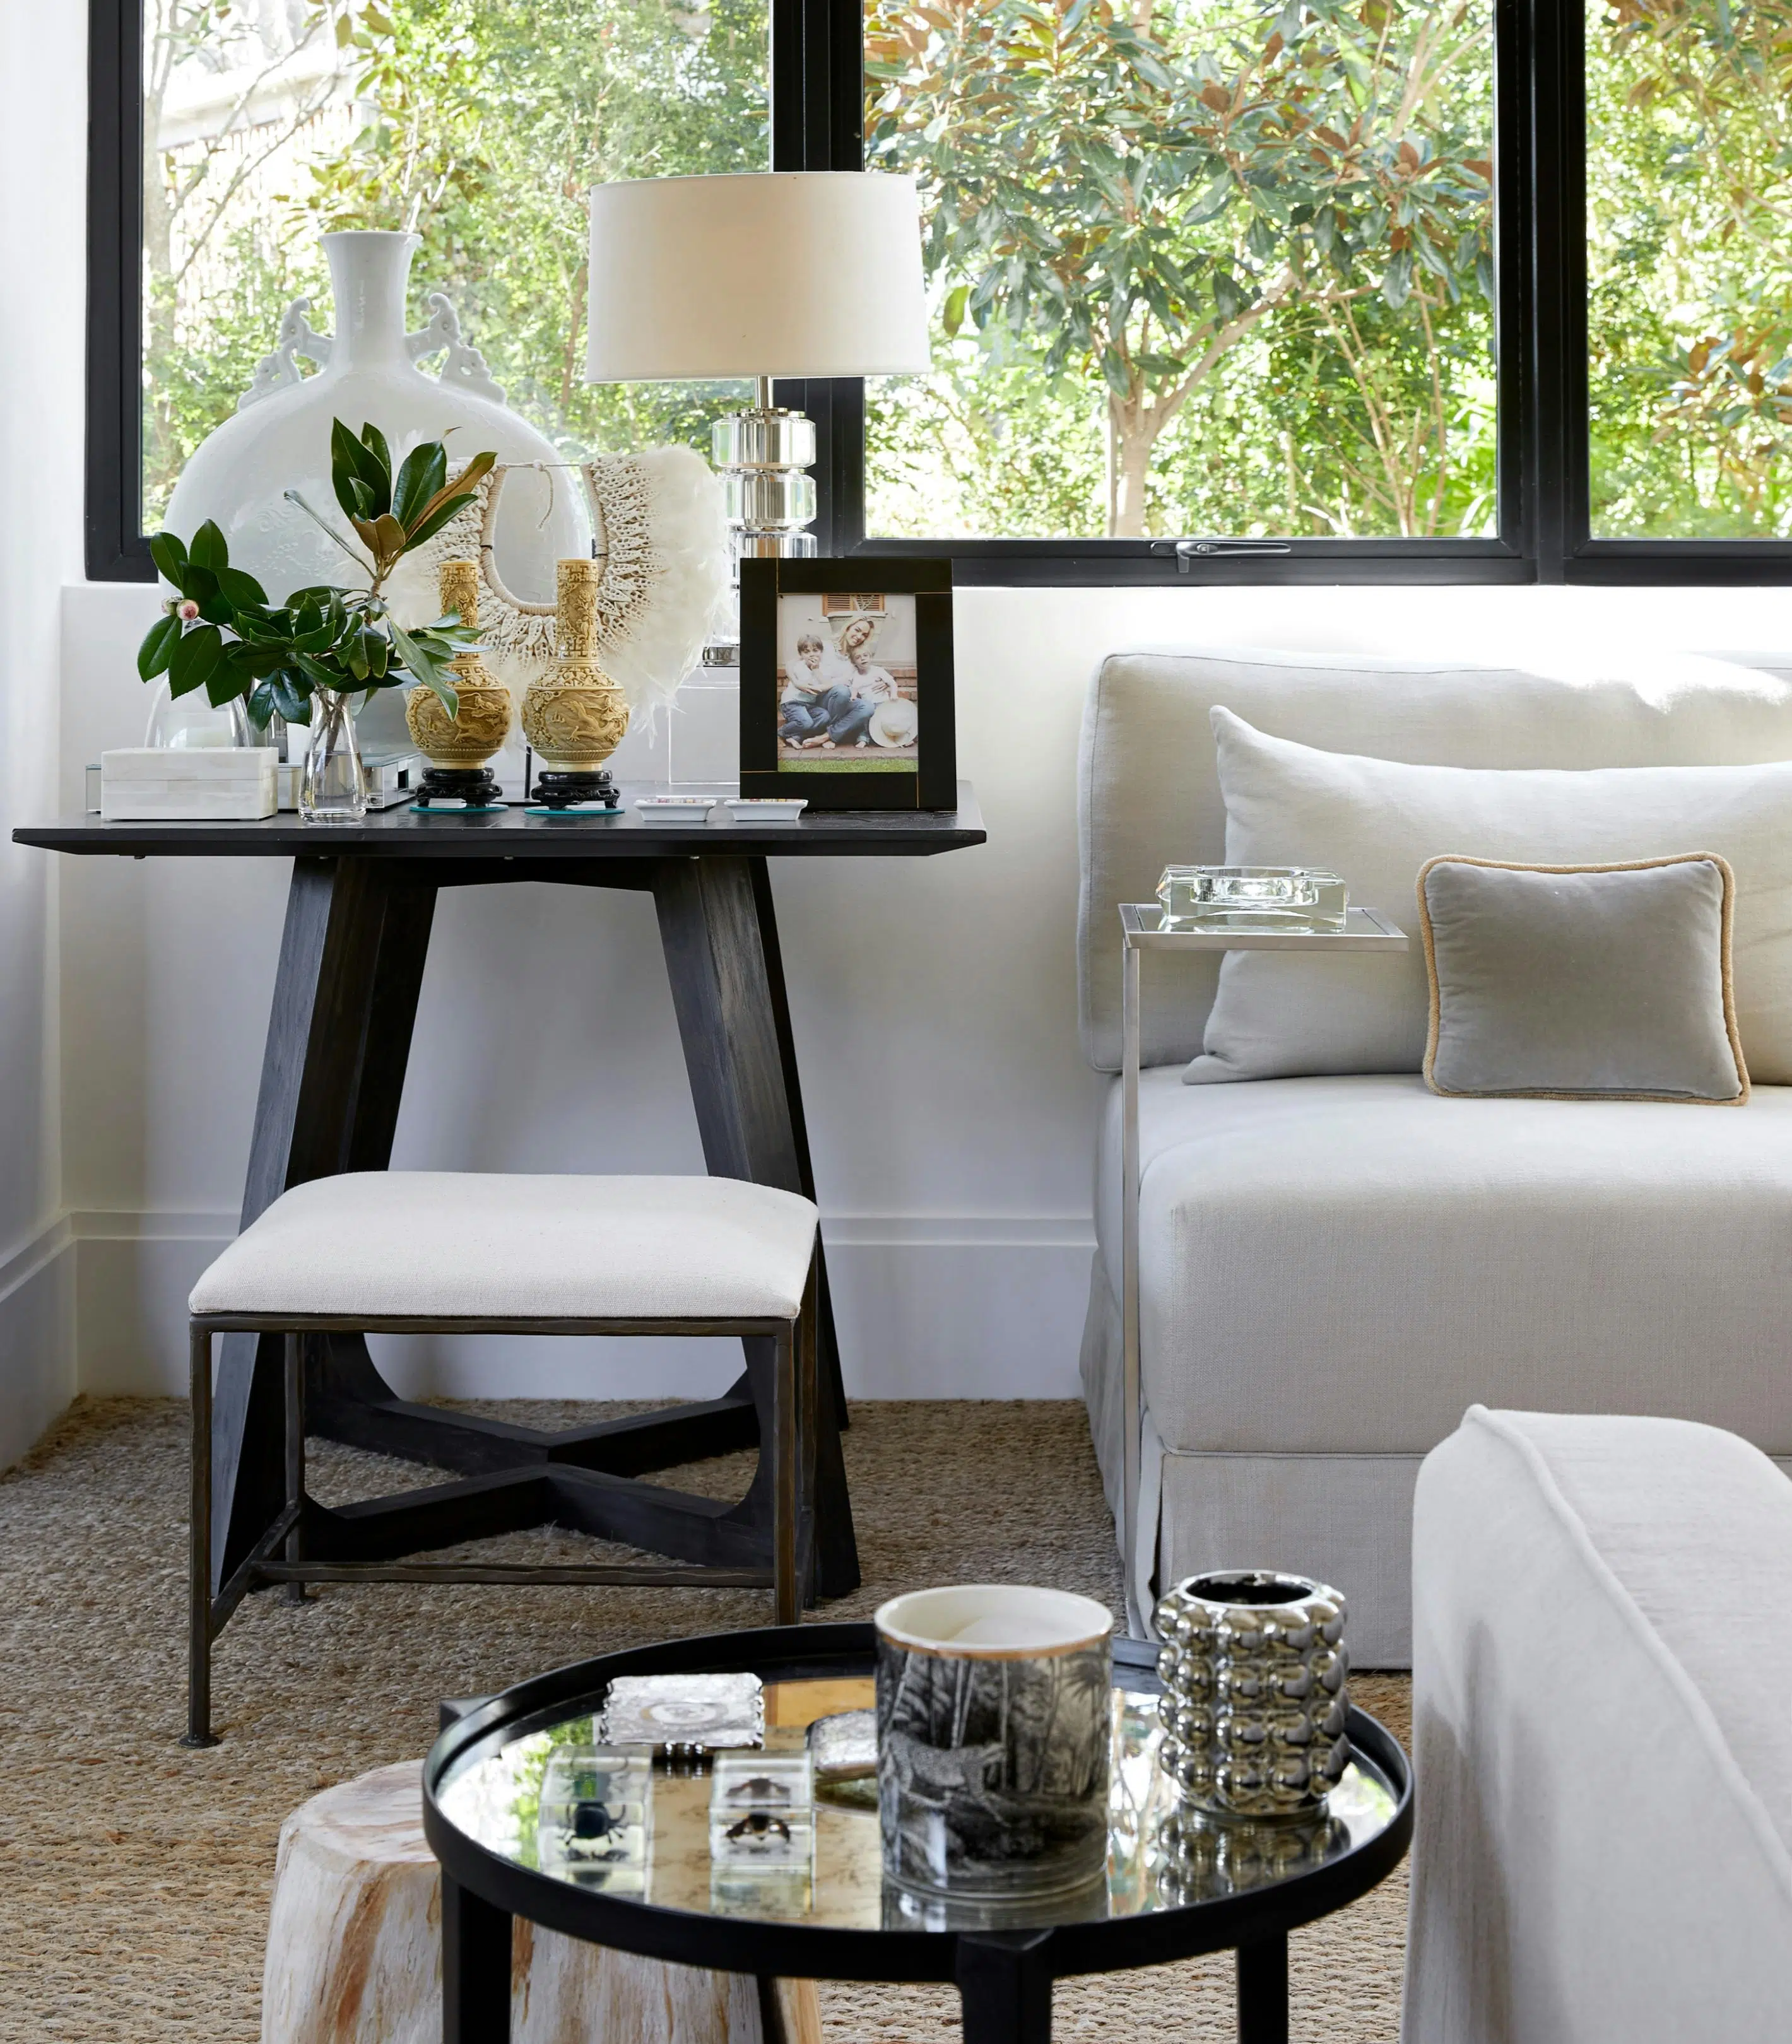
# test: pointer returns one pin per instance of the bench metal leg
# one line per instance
(809, 1374)
(296, 1592)
(786, 1472)
(199, 1547)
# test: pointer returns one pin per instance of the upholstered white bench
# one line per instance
(450, 1253)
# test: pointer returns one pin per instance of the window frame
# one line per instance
(817, 123)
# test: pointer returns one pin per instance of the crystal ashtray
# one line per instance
(692, 1714)
(1252, 898)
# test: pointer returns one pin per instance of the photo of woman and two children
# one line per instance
(846, 684)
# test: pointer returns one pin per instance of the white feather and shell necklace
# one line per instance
(663, 538)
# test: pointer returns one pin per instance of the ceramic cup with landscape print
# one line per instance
(993, 1717)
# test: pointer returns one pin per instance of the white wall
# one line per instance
(934, 1001)
(43, 137)
(934, 1005)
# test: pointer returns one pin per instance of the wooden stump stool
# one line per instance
(355, 1955)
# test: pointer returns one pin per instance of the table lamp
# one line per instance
(793, 274)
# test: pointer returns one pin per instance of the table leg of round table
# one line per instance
(1005, 1984)
(1263, 1991)
(475, 1968)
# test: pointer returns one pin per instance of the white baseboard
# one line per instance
(936, 1306)
(38, 1374)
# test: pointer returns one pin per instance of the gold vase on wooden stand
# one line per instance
(460, 748)
(574, 716)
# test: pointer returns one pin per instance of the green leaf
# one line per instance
(169, 555)
(1396, 284)
(418, 664)
(208, 549)
(353, 460)
(158, 647)
(389, 539)
(435, 521)
(199, 583)
(239, 588)
(194, 657)
(253, 661)
(318, 639)
(223, 683)
(262, 709)
(461, 490)
(410, 655)
(951, 315)
(420, 477)
(444, 693)
(290, 698)
(374, 440)
(321, 674)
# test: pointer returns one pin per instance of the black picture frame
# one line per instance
(763, 585)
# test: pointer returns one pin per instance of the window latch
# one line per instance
(1199, 550)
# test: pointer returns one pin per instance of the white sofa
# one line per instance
(1334, 1268)
(1601, 1665)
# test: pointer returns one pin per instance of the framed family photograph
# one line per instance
(846, 683)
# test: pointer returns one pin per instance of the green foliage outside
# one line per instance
(1196, 266)
(1690, 139)
(1262, 224)
(489, 122)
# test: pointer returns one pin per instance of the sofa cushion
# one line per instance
(1147, 793)
(1589, 981)
(1601, 1665)
(1341, 1265)
(1377, 821)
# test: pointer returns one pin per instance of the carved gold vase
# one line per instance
(574, 716)
(458, 747)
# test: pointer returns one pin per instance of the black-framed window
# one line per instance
(1392, 290)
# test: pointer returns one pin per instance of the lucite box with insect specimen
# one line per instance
(762, 1808)
(596, 1811)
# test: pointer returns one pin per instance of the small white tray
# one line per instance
(765, 808)
(675, 808)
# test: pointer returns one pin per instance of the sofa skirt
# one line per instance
(1345, 1519)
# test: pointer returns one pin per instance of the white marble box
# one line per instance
(208, 783)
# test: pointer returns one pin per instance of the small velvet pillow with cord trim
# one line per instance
(1582, 982)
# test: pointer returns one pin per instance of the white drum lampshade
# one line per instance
(768, 274)
(809, 272)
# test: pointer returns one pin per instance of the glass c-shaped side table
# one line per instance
(1365, 930)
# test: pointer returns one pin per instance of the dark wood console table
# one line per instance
(357, 932)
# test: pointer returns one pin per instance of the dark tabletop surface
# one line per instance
(513, 833)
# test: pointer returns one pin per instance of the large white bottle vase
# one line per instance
(279, 438)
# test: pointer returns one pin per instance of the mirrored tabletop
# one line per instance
(1160, 1856)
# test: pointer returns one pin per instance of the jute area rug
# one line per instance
(134, 1876)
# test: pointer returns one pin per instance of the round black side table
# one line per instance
(1173, 1889)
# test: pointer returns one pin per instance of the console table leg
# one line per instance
(1005, 1984)
(475, 1969)
(763, 902)
(1263, 1991)
(711, 932)
(338, 1034)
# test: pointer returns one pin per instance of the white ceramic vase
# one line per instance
(279, 438)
